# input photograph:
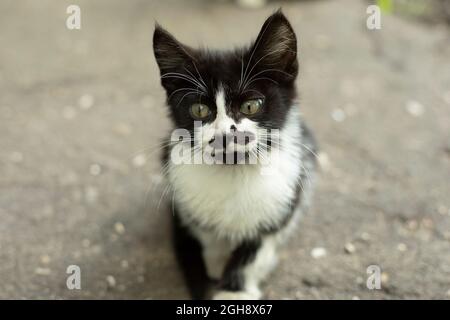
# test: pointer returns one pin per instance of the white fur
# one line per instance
(222, 122)
(215, 252)
(254, 273)
(237, 295)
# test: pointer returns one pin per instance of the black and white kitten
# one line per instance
(231, 216)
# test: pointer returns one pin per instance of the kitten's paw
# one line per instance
(237, 295)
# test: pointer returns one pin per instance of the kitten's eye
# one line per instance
(250, 107)
(199, 111)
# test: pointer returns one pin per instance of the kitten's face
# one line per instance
(235, 92)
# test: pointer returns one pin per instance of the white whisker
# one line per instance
(261, 78)
(254, 48)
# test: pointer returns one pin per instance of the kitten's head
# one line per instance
(237, 91)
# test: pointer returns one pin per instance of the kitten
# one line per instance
(231, 216)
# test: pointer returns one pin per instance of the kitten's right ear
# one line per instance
(170, 54)
(275, 47)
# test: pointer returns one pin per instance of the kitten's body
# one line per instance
(235, 214)
(222, 219)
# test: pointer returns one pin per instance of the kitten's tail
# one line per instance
(188, 252)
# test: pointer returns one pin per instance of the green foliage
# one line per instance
(385, 5)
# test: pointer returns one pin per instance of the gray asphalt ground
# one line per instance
(82, 111)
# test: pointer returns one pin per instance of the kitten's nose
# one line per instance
(241, 137)
(221, 141)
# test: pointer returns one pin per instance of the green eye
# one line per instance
(250, 107)
(199, 111)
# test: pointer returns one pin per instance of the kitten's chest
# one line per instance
(236, 201)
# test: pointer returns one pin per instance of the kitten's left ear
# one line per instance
(172, 57)
(170, 54)
(276, 45)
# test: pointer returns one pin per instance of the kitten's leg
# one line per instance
(215, 257)
(188, 253)
(247, 266)
(215, 253)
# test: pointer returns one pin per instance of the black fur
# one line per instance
(232, 279)
(188, 252)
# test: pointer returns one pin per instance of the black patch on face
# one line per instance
(267, 69)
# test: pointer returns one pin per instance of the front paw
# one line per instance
(237, 295)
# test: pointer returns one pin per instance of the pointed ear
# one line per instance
(170, 54)
(276, 45)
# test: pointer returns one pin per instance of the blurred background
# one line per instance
(82, 111)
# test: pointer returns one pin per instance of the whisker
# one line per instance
(185, 77)
(201, 78)
(159, 146)
(162, 196)
(182, 98)
(164, 172)
(254, 65)
(254, 48)
(307, 174)
(312, 152)
(260, 78)
(242, 71)
(195, 79)
(266, 70)
(183, 89)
